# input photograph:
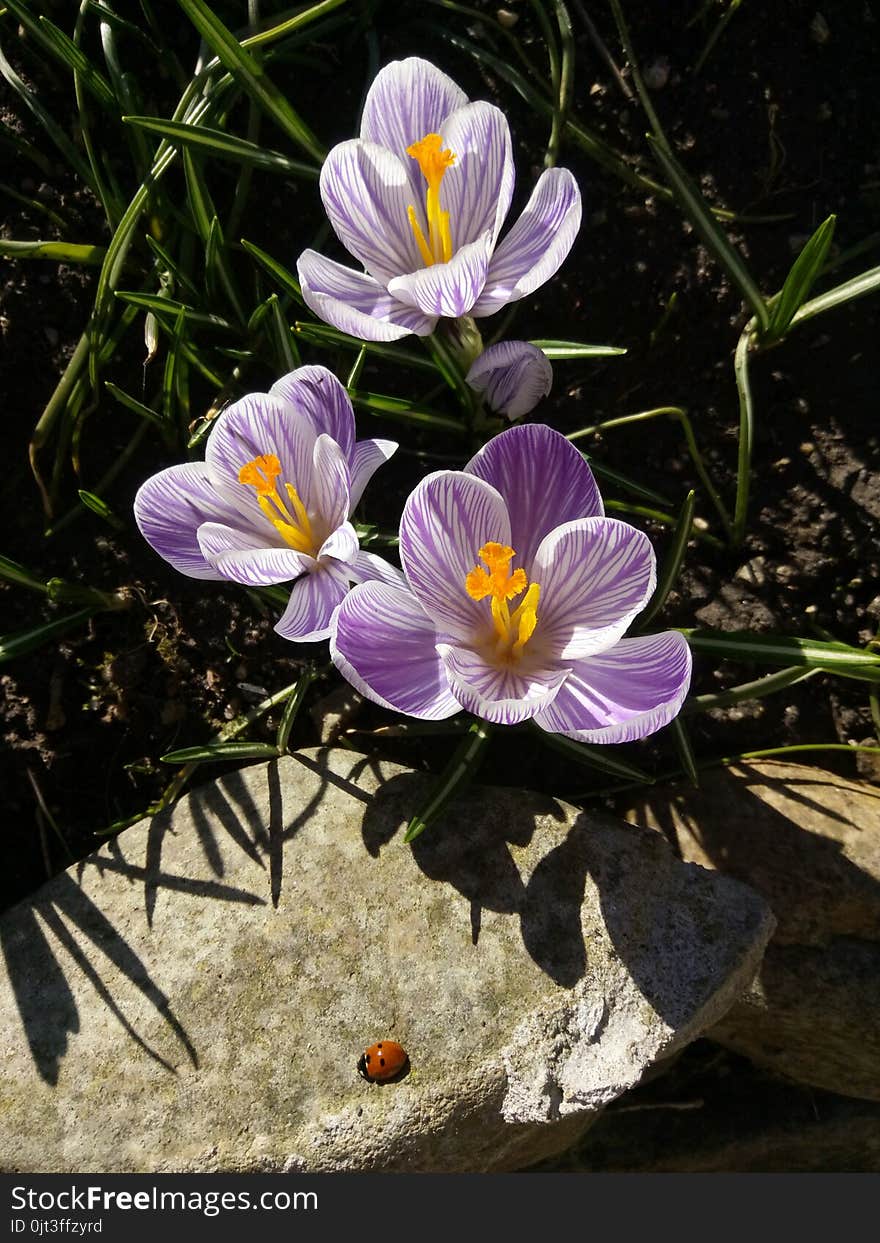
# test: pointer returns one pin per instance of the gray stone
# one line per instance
(809, 841)
(196, 994)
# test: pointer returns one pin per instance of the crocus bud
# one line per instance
(513, 376)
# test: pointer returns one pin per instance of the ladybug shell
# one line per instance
(383, 1061)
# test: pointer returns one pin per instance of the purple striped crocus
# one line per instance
(270, 503)
(419, 200)
(512, 376)
(518, 594)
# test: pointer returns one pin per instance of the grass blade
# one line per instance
(594, 757)
(456, 777)
(403, 411)
(685, 750)
(763, 649)
(858, 287)
(746, 435)
(24, 641)
(218, 144)
(216, 752)
(800, 280)
(250, 75)
(700, 215)
(673, 562)
(58, 252)
(559, 350)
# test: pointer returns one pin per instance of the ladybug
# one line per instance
(384, 1061)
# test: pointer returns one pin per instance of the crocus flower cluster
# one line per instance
(518, 593)
(419, 200)
(270, 503)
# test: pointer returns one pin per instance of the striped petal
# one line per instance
(384, 645)
(317, 395)
(367, 567)
(366, 458)
(253, 565)
(355, 303)
(544, 480)
(513, 376)
(342, 545)
(314, 599)
(446, 521)
(596, 574)
(407, 100)
(366, 191)
(477, 189)
(449, 289)
(169, 509)
(255, 425)
(537, 244)
(328, 502)
(503, 693)
(626, 693)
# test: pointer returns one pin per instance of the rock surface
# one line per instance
(809, 841)
(196, 994)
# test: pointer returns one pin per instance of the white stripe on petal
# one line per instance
(313, 600)
(537, 244)
(626, 693)
(476, 190)
(596, 574)
(513, 375)
(355, 303)
(169, 509)
(446, 521)
(366, 192)
(384, 645)
(367, 457)
(254, 566)
(329, 505)
(448, 289)
(317, 395)
(504, 693)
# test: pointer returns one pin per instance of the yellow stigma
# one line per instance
(512, 630)
(291, 522)
(433, 160)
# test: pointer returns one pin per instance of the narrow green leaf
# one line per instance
(288, 351)
(323, 334)
(218, 144)
(250, 75)
(67, 51)
(131, 403)
(279, 273)
(402, 411)
(685, 750)
(746, 434)
(291, 709)
(559, 350)
(858, 287)
(167, 310)
(59, 252)
(624, 482)
(214, 752)
(746, 691)
(672, 563)
(800, 280)
(456, 777)
(172, 267)
(600, 758)
(745, 645)
(12, 572)
(100, 507)
(24, 641)
(700, 215)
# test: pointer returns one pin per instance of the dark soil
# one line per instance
(782, 120)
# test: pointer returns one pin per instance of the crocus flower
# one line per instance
(270, 503)
(518, 594)
(513, 376)
(419, 199)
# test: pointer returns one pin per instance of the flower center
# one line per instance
(433, 161)
(512, 630)
(289, 518)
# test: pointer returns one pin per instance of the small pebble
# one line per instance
(820, 32)
(506, 19)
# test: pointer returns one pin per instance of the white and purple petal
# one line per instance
(342, 545)
(355, 303)
(496, 690)
(252, 426)
(251, 564)
(366, 458)
(544, 480)
(366, 192)
(384, 645)
(317, 395)
(446, 520)
(595, 574)
(626, 693)
(328, 502)
(536, 245)
(368, 567)
(447, 289)
(513, 376)
(169, 509)
(314, 599)
(407, 100)
(476, 190)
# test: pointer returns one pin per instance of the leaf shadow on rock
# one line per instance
(44, 997)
